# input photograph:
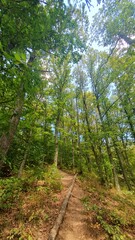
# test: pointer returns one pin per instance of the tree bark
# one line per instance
(122, 167)
(130, 123)
(7, 139)
(98, 162)
(73, 154)
(56, 139)
(25, 156)
(115, 176)
(23, 164)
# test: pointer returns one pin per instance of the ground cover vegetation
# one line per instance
(65, 103)
(110, 214)
(29, 206)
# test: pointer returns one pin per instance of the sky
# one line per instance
(93, 9)
(91, 12)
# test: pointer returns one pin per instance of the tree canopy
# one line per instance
(61, 100)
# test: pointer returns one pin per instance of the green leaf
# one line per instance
(20, 57)
(17, 56)
(1, 48)
(4, 2)
(29, 237)
(23, 56)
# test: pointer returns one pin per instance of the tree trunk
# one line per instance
(73, 154)
(116, 180)
(98, 162)
(25, 156)
(56, 150)
(56, 139)
(125, 155)
(122, 168)
(7, 139)
(78, 132)
(115, 176)
(23, 164)
(131, 124)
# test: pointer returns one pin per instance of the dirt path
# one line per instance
(74, 226)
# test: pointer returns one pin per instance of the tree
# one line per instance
(40, 31)
(108, 130)
(59, 82)
(115, 23)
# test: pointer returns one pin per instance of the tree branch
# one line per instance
(127, 39)
(111, 106)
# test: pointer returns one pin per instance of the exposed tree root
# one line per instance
(54, 230)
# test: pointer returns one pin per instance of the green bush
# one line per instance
(10, 190)
(52, 178)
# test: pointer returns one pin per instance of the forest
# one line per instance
(65, 104)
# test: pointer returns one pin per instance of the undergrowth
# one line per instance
(109, 210)
(29, 201)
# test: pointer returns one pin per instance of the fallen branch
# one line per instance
(54, 230)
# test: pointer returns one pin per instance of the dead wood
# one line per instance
(54, 230)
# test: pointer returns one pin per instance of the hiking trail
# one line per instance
(74, 226)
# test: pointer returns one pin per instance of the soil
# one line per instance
(75, 226)
(36, 211)
(81, 217)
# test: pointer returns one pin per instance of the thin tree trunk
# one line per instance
(25, 156)
(78, 128)
(130, 123)
(126, 158)
(115, 176)
(56, 139)
(23, 164)
(56, 149)
(100, 171)
(122, 168)
(73, 154)
(78, 152)
(116, 180)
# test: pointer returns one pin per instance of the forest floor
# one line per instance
(75, 225)
(28, 210)
(97, 213)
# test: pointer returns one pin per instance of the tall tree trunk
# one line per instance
(25, 156)
(125, 155)
(128, 113)
(98, 162)
(121, 165)
(78, 152)
(131, 124)
(7, 139)
(73, 154)
(56, 139)
(115, 176)
(56, 148)
(116, 180)
(23, 163)
(78, 126)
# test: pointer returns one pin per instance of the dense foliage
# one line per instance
(62, 101)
